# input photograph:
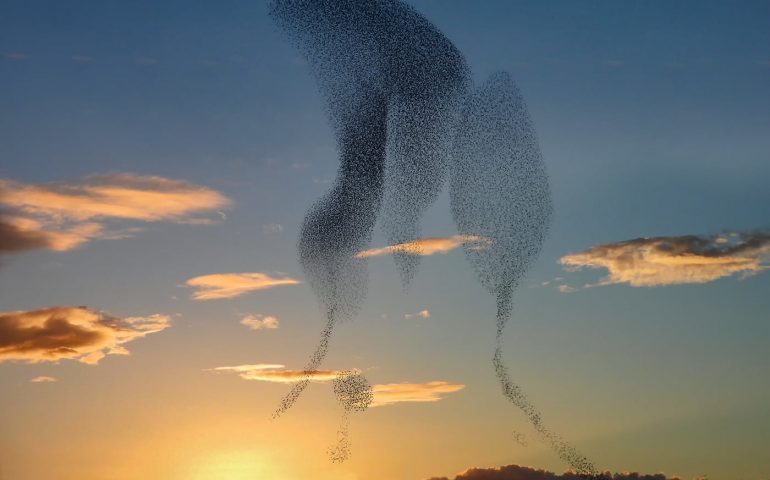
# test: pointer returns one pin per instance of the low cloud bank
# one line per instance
(516, 472)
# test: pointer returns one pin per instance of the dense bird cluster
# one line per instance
(354, 393)
(404, 111)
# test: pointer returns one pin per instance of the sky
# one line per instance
(157, 160)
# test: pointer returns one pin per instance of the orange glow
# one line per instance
(239, 465)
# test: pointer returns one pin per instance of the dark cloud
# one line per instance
(15, 239)
(75, 333)
(515, 472)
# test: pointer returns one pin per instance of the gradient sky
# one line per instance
(653, 120)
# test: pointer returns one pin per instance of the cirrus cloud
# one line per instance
(71, 333)
(427, 246)
(230, 285)
(658, 261)
(390, 393)
(277, 373)
(384, 394)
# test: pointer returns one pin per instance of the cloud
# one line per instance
(63, 216)
(260, 322)
(124, 196)
(230, 285)
(43, 379)
(391, 393)
(276, 373)
(658, 261)
(515, 472)
(427, 246)
(386, 394)
(16, 238)
(73, 333)
(272, 228)
(422, 314)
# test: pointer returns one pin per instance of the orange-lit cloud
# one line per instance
(43, 379)
(391, 393)
(387, 394)
(260, 322)
(276, 373)
(422, 314)
(74, 333)
(427, 246)
(63, 216)
(658, 261)
(231, 285)
(515, 472)
(16, 238)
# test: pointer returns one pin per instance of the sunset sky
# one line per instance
(157, 160)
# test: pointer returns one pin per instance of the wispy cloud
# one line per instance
(515, 472)
(63, 216)
(386, 394)
(43, 379)
(659, 261)
(272, 228)
(421, 314)
(428, 246)
(75, 333)
(260, 322)
(391, 393)
(230, 285)
(276, 373)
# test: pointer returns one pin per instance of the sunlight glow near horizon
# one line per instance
(236, 465)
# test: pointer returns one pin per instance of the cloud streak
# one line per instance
(391, 393)
(277, 373)
(63, 216)
(71, 333)
(384, 394)
(427, 246)
(660, 261)
(230, 285)
(43, 379)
